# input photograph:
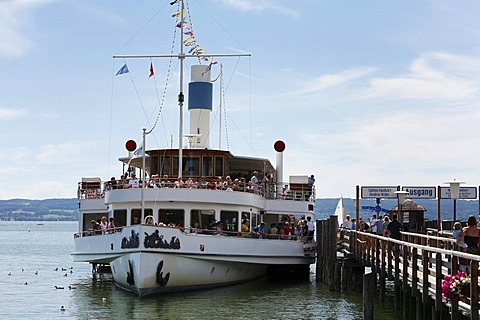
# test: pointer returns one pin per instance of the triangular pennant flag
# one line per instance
(151, 70)
(123, 70)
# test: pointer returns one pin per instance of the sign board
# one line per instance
(379, 192)
(376, 209)
(464, 193)
(420, 192)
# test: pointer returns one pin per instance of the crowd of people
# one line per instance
(288, 229)
(377, 224)
(263, 186)
(101, 226)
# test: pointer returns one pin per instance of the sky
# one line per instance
(369, 93)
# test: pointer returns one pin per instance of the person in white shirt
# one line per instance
(311, 228)
(133, 182)
(347, 223)
(254, 181)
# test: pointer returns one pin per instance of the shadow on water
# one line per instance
(259, 299)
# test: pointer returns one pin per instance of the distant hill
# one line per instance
(67, 209)
(39, 210)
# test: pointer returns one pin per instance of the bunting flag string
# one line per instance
(190, 41)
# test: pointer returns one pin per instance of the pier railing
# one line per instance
(416, 264)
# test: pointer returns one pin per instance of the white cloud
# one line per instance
(432, 76)
(261, 6)
(7, 114)
(14, 17)
(336, 79)
(404, 148)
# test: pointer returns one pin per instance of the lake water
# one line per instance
(43, 247)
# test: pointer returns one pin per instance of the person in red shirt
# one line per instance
(287, 230)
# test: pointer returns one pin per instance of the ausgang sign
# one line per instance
(379, 192)
(464, 193)
(420, 192)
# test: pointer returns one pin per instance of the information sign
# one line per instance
(464, 193)
(420, 192)
(379, 192)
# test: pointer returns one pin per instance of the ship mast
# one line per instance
(181, 97)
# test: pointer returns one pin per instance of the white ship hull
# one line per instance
(151, 259)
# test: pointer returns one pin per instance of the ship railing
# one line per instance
(292, 192)
(91, 232)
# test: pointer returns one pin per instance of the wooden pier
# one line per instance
(416, 266)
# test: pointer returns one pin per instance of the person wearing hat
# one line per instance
(95, 227)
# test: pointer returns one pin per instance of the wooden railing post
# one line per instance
(454, 310)
(406, 295)
(397, 297)
(474, 290)
(438, 285)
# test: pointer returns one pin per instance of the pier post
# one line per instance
(368, 295)
(396, 284)
(320, 252)
(438, 284)
(332, 250)
(383, 271)
(406, 289)
(454, 308)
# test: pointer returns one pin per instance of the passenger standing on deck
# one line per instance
(104, 225)
(311, 182)
(458, 235)
(311, 228)
(394, 228)
(133, 182)
(379, 223)
(347, 223)
(111, 225)
(373, 224)
(254, 181)
(470, 237)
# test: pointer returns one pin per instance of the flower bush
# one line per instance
(455, 287)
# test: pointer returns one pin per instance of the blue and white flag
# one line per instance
(123, 70)
(138, 151)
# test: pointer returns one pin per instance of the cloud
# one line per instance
(431, 76)
(261, 6)
(401, 148)
(14, 17)
(336, 79)
(8, 114)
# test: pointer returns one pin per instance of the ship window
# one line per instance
(253, 219)
(164, 167)
(120, 216)
(219, 166)
(201, 218)
(229, 220)
(136, 216)
(190, 166)
(171, 216)
(207, 166)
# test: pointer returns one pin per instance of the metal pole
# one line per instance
(439, 219)
(143, 173)
(181, 98)
(454, 210)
